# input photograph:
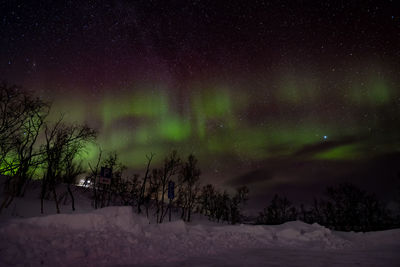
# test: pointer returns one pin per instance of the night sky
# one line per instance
(284, 96)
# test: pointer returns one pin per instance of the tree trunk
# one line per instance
(103, 196)
(56, 200)
(143, 187)
(41, 205)
(4, 203)
(109, 195)
(72, 197)
(9, 192)
(42, 194)
(95, 197)
(183, 213)
(20, 185)
(162, 203)
(190, 203)
(25, 187)
(188, 214)
(11, 198)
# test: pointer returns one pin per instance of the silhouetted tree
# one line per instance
(280, 210)
(221, 206)
(155, 190)
(71, 171)
(118, 186)
(142, 199)
(348, 208)
(14, 108)
(206, 201)
(61, 141)
(170, 168)
(92, 178)
(21, 120)
(189, 186)
(241, 197)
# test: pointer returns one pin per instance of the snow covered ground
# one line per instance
(116, 236)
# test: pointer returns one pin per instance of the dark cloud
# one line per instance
(252, 177)
(302, 180)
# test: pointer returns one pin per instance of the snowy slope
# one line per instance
(116, 236)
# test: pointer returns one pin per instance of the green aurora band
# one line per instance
(216, 120)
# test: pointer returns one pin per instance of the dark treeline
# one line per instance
(344, 207)
(148, 194)
(55, 161)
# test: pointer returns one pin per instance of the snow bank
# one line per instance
(120, 218)
(118, 236)
(315, 235)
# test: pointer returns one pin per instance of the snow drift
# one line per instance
(117, 236)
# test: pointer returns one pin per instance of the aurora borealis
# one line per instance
(274, 94)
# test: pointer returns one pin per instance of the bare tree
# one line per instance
(141, 199)
(221, 206)
(241, 197)
(159, 184)
(13, 110)
(206, 200)
(71, 171)
(190, 186)
(280, 210)
(170, 168)
(112, 191)
(155, 190)
(21, 120)
(61, 141)
(27, 157)
(348, 207)
(92, 178)
(214, 204)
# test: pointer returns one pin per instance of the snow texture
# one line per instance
(116, 236)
